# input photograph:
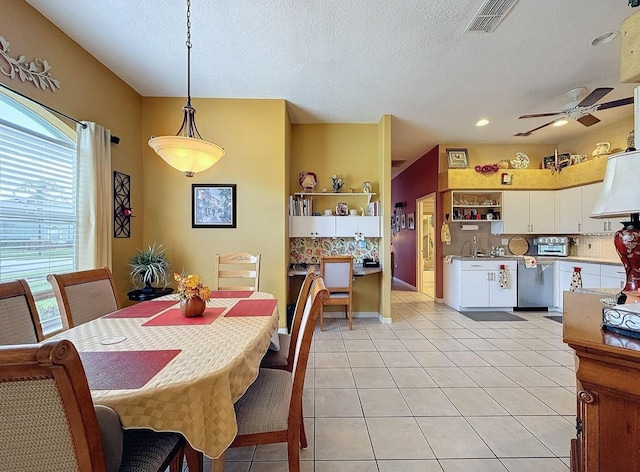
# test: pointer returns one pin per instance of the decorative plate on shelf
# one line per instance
(520, 161)
(308, 181)
(342, 209)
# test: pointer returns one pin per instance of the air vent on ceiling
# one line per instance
(491, 13)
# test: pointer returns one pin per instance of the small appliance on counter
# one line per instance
(370, 262)
(552, 246)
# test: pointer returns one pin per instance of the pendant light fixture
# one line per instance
(187, 151)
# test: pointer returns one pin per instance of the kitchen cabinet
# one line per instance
(612, 276)
(589, 272)
(334, 226)
(529, 212)
(570, 211)
(312, 226)
(478, 284)
(358, 226)
(477, 206)
(590, 194)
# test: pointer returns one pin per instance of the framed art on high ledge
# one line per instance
(457, 158)
(213, 205)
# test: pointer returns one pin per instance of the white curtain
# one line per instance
(95, 224)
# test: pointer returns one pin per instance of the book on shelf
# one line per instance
(374, 209)
(300, 206)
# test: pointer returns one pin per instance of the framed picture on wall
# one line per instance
(397, 222)
(213, 205)
(403, 221)
(412, 217)
(458, 158)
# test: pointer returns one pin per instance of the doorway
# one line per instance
(425, 263)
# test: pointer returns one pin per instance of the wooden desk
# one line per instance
(195, 392)
(608, 397)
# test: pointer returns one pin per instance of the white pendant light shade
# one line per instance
(188, 155)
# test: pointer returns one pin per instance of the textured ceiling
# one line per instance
(351, 61)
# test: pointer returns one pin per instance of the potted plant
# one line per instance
(150, 266)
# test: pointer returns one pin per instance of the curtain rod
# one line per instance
(114, 139)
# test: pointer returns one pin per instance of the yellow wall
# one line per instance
(88, 91)
(254, 136)
(481, 154)
(384, 129)
(614, 133)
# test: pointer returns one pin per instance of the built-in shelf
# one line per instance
(339, 194)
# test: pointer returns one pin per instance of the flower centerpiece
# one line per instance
(336, 182)
(193, 294)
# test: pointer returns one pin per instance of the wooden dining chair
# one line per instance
(237, 271)
(18, 314)
(84, 296)
(48, 421)
(283, 358)
(337, 272)
(270, 411)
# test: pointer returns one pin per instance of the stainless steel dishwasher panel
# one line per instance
(535, 286)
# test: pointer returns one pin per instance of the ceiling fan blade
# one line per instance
(588, 120)
(527, 133)
(594, 96)
(616, 103)
(538, 115)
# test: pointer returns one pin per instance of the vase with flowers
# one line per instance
(193, 294)
(336, 182)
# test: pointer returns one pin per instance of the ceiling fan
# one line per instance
(580, 110)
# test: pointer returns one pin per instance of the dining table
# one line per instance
(161, 370)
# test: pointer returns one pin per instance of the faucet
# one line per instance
(474, 251)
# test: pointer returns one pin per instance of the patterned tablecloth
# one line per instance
(195, 392)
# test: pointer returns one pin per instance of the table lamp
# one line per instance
(620, 197)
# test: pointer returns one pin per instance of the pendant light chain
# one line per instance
(188, 43)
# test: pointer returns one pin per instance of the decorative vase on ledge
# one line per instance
(192, 307)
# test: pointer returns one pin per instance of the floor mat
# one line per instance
(557, 318)
(491, 316)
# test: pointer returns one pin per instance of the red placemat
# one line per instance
(124, 369)
(142, 310)
(231, 293)
(253, 307)
(175, 317)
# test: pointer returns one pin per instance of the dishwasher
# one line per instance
(535, 286)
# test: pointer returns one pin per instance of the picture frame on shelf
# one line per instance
(458, 158)
(412, 220)
(506, 178)
(403, 221)
(213, 205)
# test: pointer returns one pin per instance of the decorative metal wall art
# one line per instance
(36, 71)
(122, 212)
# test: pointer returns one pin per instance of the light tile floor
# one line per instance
(432, 392)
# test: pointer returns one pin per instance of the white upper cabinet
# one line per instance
(530, 212)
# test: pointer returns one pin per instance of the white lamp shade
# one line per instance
(620, 194)
(189, 155)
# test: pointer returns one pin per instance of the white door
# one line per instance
(590, 194)
(503, 297)
(474, 286)
(425, 245)
(346, 226)
(369, 226)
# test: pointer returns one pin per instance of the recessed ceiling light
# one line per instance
(482, 122)
(604, 38)
(561, 122)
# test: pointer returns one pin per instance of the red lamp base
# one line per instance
(627, 242)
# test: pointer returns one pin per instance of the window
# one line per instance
(37, 202)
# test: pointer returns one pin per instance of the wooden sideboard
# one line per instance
(608, 389)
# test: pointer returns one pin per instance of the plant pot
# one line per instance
(191, 307)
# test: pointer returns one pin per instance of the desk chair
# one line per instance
(337, 272)
(237, 271)
(283, 359)
(271, 409)
(84, 296)
(18, 314)
(48, 421)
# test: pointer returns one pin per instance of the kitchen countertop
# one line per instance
(593, 260)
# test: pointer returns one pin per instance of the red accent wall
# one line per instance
(416, 181)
